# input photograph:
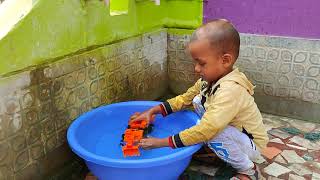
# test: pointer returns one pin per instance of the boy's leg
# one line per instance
(235, 148)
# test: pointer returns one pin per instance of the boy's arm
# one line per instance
(218, 115)
(181, 101)
(171, 105)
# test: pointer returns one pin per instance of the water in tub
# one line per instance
(109, 143)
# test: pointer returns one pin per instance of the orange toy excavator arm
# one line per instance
(135, 132)
(138, 124)
(130, 150)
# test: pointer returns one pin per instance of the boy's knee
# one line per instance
(226, 133)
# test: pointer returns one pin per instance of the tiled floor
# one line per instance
(290, 154)
(296, 147)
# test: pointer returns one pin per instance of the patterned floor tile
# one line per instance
(292, 157)
(276, 169)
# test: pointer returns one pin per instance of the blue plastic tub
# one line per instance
(95, 137)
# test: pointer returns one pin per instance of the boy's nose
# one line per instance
(196, 68)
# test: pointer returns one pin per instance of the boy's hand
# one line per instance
(147, 115)
(134, 116)
(151, 143)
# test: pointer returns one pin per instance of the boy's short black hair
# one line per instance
(221, 34)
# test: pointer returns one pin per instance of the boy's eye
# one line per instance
(199, 62)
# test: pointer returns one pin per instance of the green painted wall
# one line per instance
(54, 29)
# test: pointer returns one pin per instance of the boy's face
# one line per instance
(210, 64)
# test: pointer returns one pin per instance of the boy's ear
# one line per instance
(227, 59)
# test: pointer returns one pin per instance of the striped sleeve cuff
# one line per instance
(175, 141)
(165, 108)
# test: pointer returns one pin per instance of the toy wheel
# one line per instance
(149, 130)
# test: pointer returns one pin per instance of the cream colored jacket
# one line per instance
(231, 104)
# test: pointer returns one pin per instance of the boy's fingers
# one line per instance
(135, 119)
(135, 115)
(152, 118)
(144, 142)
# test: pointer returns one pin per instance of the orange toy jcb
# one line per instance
(133, 134)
